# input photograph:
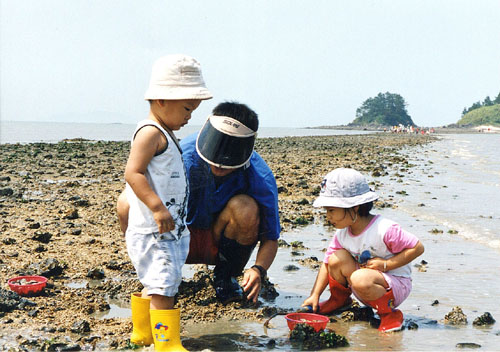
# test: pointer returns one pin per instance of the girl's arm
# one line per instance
(146, 143)
(402, 258)
(318, 288)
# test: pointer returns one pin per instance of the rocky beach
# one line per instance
(57, 203)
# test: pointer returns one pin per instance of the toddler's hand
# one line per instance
(164, 220)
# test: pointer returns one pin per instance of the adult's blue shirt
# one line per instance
(208, 195)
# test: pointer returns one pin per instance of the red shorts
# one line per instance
(202, 247)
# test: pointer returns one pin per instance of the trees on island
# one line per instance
(485, 113)
(385, 109)
(486, 102)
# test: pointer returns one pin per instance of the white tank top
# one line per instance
(167, 177)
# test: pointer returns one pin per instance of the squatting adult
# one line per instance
(232, 204)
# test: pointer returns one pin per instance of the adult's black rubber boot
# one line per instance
(231, 260)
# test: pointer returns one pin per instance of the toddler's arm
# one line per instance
(147, 141)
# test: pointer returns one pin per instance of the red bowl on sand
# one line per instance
(317, 321)
(27, 285)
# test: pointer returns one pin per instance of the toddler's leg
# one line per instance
(162, 302)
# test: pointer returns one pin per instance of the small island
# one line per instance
(387, 112)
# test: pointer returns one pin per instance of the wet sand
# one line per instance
(58, 219)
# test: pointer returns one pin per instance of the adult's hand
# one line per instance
(252, 282)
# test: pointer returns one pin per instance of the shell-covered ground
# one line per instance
(58, 219)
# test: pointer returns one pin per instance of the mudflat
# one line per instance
(58, 219)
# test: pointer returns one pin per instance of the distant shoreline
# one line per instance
(437, 130)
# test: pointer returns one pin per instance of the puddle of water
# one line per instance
(76, 284)
(117, 310)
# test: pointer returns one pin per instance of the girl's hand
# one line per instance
(164, 220)
(312, 301)
(377, 264)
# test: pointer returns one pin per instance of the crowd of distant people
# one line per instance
(409, 129)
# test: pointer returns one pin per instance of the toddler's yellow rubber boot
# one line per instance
(165, 326)
(141, 325)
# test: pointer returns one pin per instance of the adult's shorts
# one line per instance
(202, 248)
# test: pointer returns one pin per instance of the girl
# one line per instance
(369, 255)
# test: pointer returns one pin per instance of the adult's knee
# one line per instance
(244, 212)
(122, 208)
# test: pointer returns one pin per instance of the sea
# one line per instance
(53, 132)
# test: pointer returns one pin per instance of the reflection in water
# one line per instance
(230, 342)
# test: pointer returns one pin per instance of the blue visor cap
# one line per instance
(225, 142)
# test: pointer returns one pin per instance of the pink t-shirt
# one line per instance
(395, 238)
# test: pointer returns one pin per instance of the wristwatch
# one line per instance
(262, 271)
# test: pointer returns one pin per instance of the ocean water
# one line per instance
(455, 184)
(52, 132)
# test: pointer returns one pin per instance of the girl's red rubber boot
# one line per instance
(340, 296)
(391, 319)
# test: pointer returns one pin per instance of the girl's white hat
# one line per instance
(177, 77)
(344, 188)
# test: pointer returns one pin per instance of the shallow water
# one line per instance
(455, 276)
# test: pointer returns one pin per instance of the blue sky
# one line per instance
(296, 63)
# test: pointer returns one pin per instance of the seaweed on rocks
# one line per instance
(10, 301)
(306, 338)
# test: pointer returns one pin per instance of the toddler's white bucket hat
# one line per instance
(177, 77)
(344, 188)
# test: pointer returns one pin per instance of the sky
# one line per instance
(296, 63)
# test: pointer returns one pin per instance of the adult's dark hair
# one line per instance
(364, 209)
(239, 112)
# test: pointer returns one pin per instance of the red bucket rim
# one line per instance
(309, 316)
(40, 279)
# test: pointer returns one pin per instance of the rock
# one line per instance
(282, 243)
(297, 245)
(9, 301)
(303, 201)
(80, 327)
(311, 262)
(411, 325)
(291, 268)
(467, 345)
(485, 319)
(49, 267)
(268, 291)
(9, 240)
(96, 274)
(43, 237)
(71, 214)
(35, 225)
(6, 191)
(455, 317)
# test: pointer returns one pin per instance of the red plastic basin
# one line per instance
(27, 289)
(317, 321)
